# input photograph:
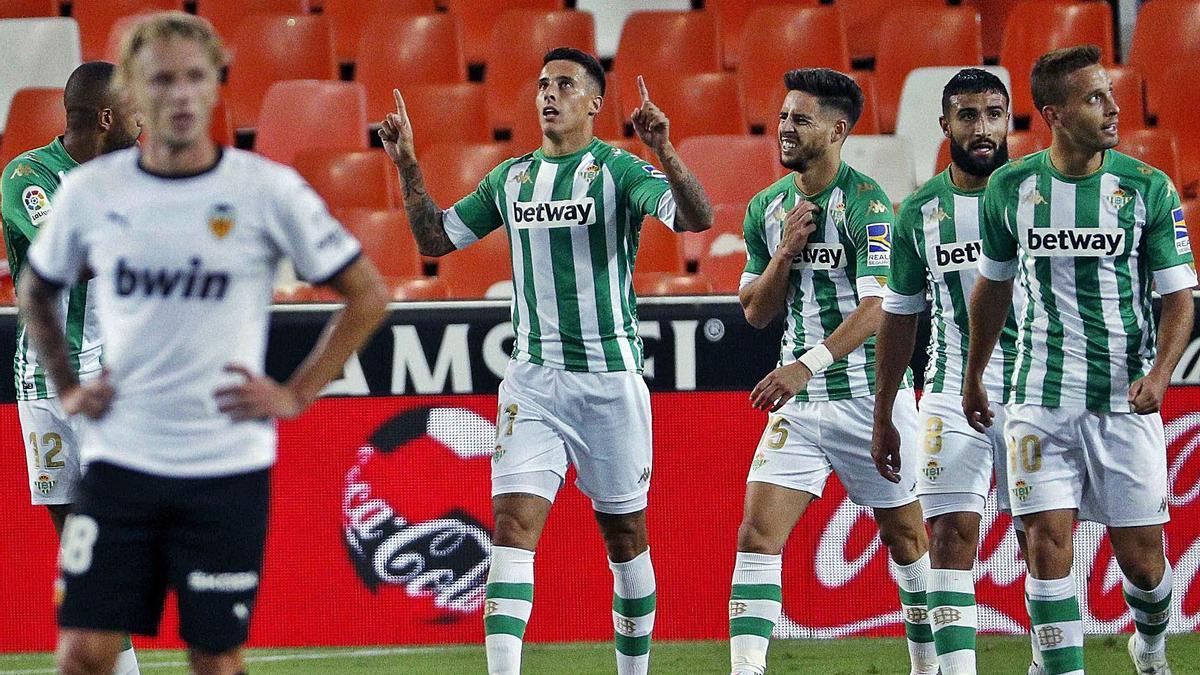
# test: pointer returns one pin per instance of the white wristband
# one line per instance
(817, 359)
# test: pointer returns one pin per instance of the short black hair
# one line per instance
(833, 89)
(972, 81)
(590, 64)
(87, 92)
(1048, 79)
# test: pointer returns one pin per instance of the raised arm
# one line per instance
(693, 212)
(425, 217)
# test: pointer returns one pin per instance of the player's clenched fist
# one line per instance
(798, 224)
(92, 399)
(396, 133)
(975, 406)
(650, 123)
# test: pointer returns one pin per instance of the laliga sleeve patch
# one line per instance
(37, 204)
(879, 244)
(654, 172)
(1182, 243)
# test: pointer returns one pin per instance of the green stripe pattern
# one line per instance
(506, 608)
(1058, 627)
(952, 616)
(753, 609)
(1150, 618)
(633, 621)
(916, 616)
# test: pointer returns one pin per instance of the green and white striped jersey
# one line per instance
(1086, 250)
(846, 259)
(26, 189)
(573, 226)
(936, 249)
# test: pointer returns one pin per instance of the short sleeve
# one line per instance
(869, 223)
(907, 273)
(317, 244)
(477, 214)
(999, 261)
(1168, 248)
(645, 188)
(59, 254)
(25, 190)
(757, 255)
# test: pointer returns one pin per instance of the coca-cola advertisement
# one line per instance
(380, 534)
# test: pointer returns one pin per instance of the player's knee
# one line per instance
(953, 543)
(513, 531)
(624, 534)
(905, 540)
(1145, 571)
(754, 538)
(215, 663)
(84, 657)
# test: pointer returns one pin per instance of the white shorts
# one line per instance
(51, 451)
(597, 422)
(805, 441)
(955, 460)
(1112, 467)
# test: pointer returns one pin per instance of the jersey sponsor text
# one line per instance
(821, 257)
(1090, 242)
(193, 282)
(556, 213)
(957, 256)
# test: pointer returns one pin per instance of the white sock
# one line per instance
(1151, 611)
(921, 651)
(754, 606)
(1054, 613)
(1035, 651)
(634, 593)
(127, 663)
(950, 595)
(508, 602)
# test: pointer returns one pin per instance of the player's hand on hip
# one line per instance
(256, 397)
(975, 407)
(885, 450)
(779, 386)
(798, 223)
(396, 133)
(650, 123)
(1146, 395)
(93, 399)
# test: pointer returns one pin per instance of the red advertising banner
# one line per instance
(380, 535)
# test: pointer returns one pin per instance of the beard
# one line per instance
(800, 162)
(963, 158)
(114, 143)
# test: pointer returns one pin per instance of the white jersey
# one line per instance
(184, 268)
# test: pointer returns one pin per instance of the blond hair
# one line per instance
(164, 26)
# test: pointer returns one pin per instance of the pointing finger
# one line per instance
(642, 89)
(399, 101)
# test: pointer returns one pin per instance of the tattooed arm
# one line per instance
(424, 215)
(693, 212)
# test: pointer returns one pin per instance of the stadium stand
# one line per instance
(222, 125)
(610, 18)
(720, 253)
(1177, 111)
(1130, 91)
(650, 47)
(35, 118)
(96, 19)
(28, 9)
(1156, 147)
(350, 178)
(453, 169)
(527, 128)
(699, 104)
(385, 238)
(479, 16)
(732, 169)
(116, 34)
(648, 284)
(482, 270)
(353, 20)
(271, 48)
(868, 121)
(864, 18)
(49, 52)
(731, 19)
(789, 30)
(306, 114)
(659, 249)
(887, 159)
(993, 14)
(227, 15)
(442, 113)
(403, 51)
(1159, 43)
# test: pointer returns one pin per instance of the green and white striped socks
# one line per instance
(633, 613)
(911, 578)
(950, 595)
(754, 606)
(1151, 611)
(1054, 613)
(127, 663)
(507, 604)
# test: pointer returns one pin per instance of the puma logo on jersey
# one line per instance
(558, 213)
(1089, 242)
(193, 282)
(821, 257)
(958, 256)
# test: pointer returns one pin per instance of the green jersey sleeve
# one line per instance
(478, 213)
(26, 189)
(644, 186)
(869, 223)
(1168, 248)
(999, 237)
(757, 255)
(906, 275)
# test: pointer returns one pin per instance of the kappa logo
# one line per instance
(1072, 242)
(522, 178)
(958, 256)
(876, 206)
(22, 170)
(940, 215)
(1049, 636)
(820, 257)
(758, 461)
(945, 615)
(864, 188)
(645, 475)
(1035, 197)
(554, 213)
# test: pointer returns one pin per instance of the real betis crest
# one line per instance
(590, 172)
(220, 220)
(1118, 198)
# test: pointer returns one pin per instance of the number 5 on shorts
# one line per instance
(776, 434)
(78, 539)
(511, 411)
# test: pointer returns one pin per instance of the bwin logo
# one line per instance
(193, 282)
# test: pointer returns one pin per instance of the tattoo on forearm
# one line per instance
(424, 216)
(690, 198)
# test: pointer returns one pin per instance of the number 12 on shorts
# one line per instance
(51, 444)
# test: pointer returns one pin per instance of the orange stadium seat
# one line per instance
(1177, 112)
(512, 63)
(993, 16)
(480, 270)
(788, 30)
(868, 120)
(385, 238)
(1191, 216)
(445, 113)
(731, 19)
(453, 169)
(34, 119)
(112, 48)
(305, 114)
(96, 19)
(221, 128)
(649, 284)
(479, 16)
(651, 44)
(945, 36)
(28, 9)
(732, 169)
(268, 49)
(226, 15)
(1165, 35)
(354, 19)
(865, 17)
(1037, 26)
(727, 219)
(403, 51)
(1130, 91)
(659, 249)
(721, 251)
(699, 104)
(527, 127)
(1020, 143)
(350, 178)
(1157, 147)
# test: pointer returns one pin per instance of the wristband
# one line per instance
(817, 359)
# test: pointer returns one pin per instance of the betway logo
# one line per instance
(561, 213)
(955, 257)
(821, 257)
(1089, 242)
(189, 283)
